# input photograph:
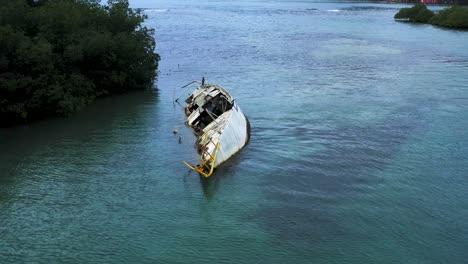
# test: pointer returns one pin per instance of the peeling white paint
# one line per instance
(230, 129)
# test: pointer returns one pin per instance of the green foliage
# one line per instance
(417, 14)
(454, 17)
(57, 56)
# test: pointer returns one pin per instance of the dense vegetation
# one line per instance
(57, 56)
(418, 14)
(453, 17)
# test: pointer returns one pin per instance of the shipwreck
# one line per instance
(219, 124)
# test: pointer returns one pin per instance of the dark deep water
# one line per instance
(359, 148)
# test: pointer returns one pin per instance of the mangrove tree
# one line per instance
(57, 56)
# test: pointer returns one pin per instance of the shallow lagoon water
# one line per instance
(358, 151)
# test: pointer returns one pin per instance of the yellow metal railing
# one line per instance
(206, 167)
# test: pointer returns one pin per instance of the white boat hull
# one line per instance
(221, 136)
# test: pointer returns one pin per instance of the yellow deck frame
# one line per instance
(205, 168)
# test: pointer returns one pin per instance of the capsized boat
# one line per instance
(221, 127)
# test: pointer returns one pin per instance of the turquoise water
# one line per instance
(358, 151)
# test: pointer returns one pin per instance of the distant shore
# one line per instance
(429, 2)
(453, 17)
